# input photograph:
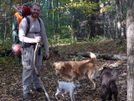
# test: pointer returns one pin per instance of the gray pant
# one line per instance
(29, 75)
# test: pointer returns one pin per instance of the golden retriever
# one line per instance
(72, 70)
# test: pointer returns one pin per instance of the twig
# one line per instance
(37, 72)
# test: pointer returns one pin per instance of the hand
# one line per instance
(37, 39)
(47, 55)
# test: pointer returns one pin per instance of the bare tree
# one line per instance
(130, 50)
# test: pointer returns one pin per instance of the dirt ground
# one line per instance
(10, 75)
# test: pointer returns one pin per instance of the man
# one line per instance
(29, 40)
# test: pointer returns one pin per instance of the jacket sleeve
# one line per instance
(44, 36)
(22, 29)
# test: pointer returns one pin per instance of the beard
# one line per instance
(34, 14)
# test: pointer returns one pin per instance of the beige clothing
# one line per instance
(29, 75)
(33, 32)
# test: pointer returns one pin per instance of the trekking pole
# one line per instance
(37, 72)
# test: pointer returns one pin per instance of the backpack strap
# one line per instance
(40, 24)
(28, 26)
(27, 31)
(28, 22)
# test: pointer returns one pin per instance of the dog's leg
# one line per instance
(91, 76)
(62, 94)
(115, 96)
(93, 81)
(110, 96)
(57, 92)
(72, 95)
(103, 97)
(104, 92)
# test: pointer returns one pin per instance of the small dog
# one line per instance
(108, 84)
(66, 86)
(72, 70)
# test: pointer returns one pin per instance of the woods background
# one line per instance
(70, 21)
(74, 19)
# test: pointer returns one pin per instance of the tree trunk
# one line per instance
(92, 22)
(118, 17)
(91, 25)
(98, 55)
(130, 50)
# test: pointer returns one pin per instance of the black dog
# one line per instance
(108, 84)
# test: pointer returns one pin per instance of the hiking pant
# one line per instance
(29, 75)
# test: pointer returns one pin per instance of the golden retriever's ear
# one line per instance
(62, 67)
(53, 65)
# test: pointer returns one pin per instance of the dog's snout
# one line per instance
(58, 74)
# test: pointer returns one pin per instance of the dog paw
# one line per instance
(109, 98)
(63, 95)
(56, 97)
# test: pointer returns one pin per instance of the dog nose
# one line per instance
(58, 74)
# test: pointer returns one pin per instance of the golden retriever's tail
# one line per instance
(93, 57)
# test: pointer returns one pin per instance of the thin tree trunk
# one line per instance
(5, 26)
(130, 50)
(118, 17)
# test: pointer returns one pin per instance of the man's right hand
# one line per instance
(37, 39)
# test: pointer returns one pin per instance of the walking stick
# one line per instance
(37, 72)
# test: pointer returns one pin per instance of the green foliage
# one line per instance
(5, 44)
(122, 49)
(58, 41)
(107, 9)
(78, 58)
(86, 7)
(97, 39)
(5, 60)
(61, 18)
(68, 13)
(66, 36)
(62, 51)
(107, 6)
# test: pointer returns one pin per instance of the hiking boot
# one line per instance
(40, 90)
(27, 96)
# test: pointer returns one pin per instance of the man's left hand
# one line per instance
(47, 55)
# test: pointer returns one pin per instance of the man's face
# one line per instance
(35, 11)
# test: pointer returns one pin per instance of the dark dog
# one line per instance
(108, 83)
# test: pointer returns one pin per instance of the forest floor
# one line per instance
(11, 84)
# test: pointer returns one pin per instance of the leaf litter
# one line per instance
(11, 84)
